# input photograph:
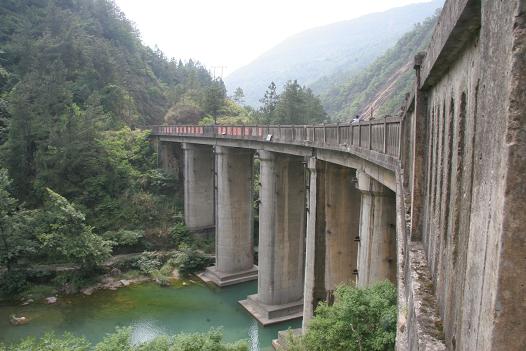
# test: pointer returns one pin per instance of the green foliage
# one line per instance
(13, 282)
(149, 262)
(296, 105)
(50, 342)
(360, 319)
(120, 340)
(180, 234)
(189, 261)
(75, 82)
(63, 234)
(124, 237)
(16, 241)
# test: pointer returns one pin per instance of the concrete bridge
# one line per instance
(432, 200)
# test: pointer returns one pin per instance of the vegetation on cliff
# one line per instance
(380, 88)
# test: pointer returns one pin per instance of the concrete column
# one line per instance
(314, 290)
(332, 227)
(281, 240)
(377, 249)
(198, 186)
(234, 218)
(342, 213)
(170, 157)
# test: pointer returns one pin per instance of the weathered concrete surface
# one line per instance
(234, 217)
(281, 239)
(377, 248)
(342, 218)
(198, 186)
(332, 227)
(314, 290)
(472, 228)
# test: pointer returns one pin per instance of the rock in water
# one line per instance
(51, 300)
(14, 320)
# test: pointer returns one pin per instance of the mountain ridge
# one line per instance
(321, 51)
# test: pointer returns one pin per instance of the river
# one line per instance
(151, 310)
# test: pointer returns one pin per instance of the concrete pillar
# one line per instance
(281, 240)
(234, 218)
(198, 186)
(332, 227)
(377, 249)
(342, 223)
(170, 157)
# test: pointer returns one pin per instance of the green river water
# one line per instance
(150, 310)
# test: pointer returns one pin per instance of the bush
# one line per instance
(120, 340)
(13, 282)
(124, 237)
(189, 261)
(50, 342)
(180, 235)
(360, 319)
(148, 262)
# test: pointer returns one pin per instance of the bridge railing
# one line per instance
(381, 135)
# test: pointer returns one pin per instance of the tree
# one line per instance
(215, 97)
(359, 320)
(64, 235)
(16, 240)
(269, 103)
(239, 96)
(298, 105)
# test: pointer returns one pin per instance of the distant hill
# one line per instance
(345, 47)
(379, 89)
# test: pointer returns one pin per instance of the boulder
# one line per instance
(115, 272)
(14, 320)
(27, 302)
(51, 300)
(88, 291)
(124, 282)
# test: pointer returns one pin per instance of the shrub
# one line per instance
(360, 319)
(50, 342)
(148, 262)
(124, 237)
(13, 282)
(180, 235)
(189, 261)
(120, 340)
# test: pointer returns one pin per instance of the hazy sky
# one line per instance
(232, 33)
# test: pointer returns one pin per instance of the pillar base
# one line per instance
(212, 275)
(272, 314)
(280, 343)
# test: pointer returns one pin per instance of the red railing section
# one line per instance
(381, 135)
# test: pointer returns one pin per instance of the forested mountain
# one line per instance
(77, 173)
(343, 47)
(379, 89)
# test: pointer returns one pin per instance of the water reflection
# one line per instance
(253, 336)
(145, 330)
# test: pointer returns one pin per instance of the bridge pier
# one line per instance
(198, 186)
(377, 248)
(234, 218)
(281, 240)
(332, 226)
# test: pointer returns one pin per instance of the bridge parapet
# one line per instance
(382, 135)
